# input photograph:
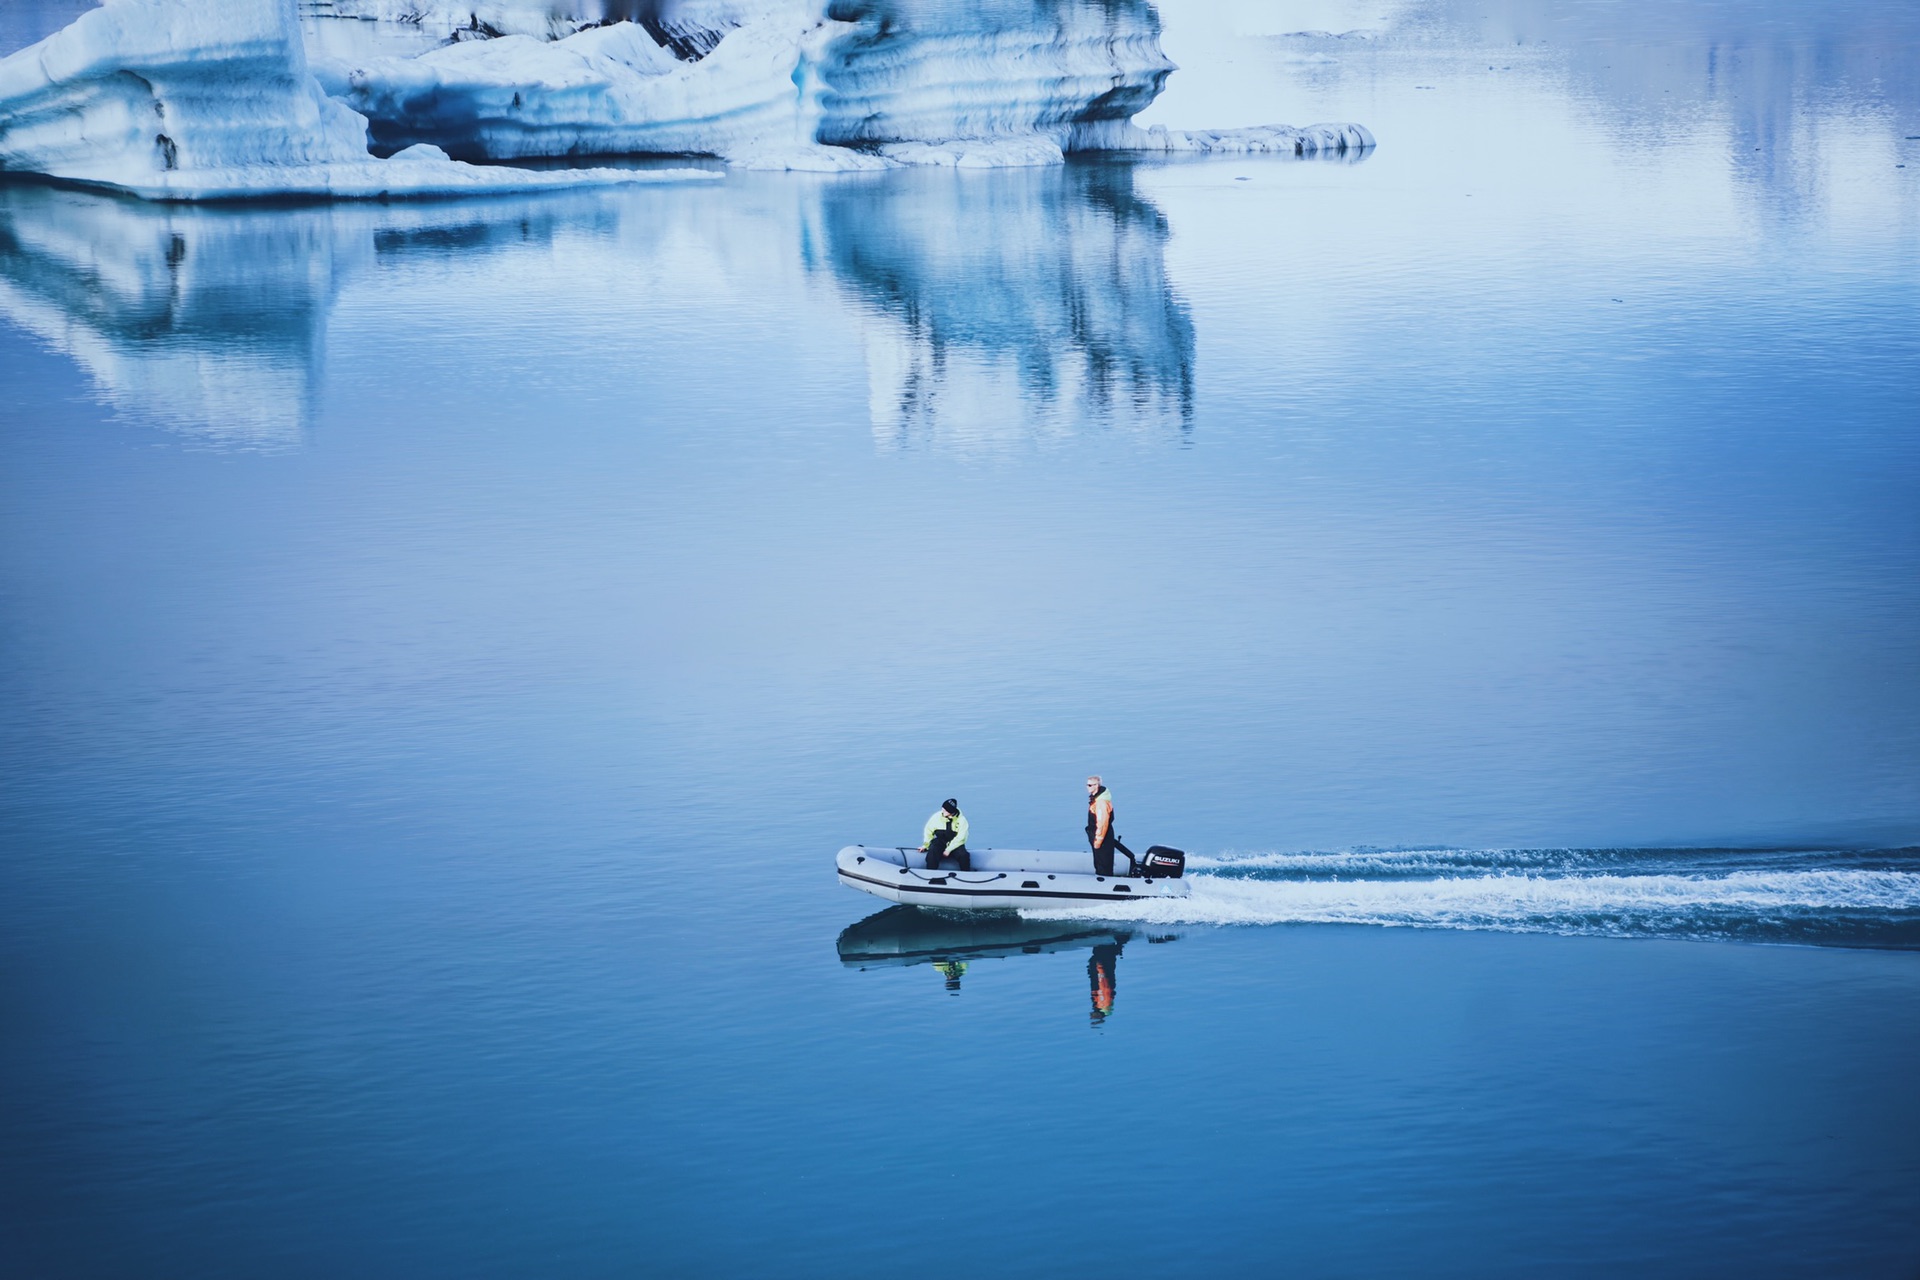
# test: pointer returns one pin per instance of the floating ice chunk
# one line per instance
(173, 100)
(804, 158)
(977, 153)
(1311, 140)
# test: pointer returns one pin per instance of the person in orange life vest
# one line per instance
(1100, 833)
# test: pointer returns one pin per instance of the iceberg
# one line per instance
(806, 84)
(172, 100)
(181, 100)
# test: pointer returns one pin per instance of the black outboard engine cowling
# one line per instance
(1162, 863)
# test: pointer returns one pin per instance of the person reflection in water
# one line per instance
(1103, 980)
(951, 970)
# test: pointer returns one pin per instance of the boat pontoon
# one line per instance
(1006, 879)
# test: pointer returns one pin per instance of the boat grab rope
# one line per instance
(943, 876)
(907, 864)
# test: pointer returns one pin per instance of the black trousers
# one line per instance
(937, 849)
(1103, 858)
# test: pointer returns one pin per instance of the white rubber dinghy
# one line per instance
(1001, 879)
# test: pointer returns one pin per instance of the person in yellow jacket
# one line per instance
(946, 837)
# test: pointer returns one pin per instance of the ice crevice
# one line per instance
(180, 100)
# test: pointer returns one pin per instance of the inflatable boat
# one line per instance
(1007, 879)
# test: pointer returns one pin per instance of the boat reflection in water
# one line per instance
(903, 936)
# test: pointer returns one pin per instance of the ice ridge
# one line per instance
(172, 100)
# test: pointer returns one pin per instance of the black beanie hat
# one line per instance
(951, 806)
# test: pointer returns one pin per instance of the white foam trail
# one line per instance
(1402, 860)
(1584, 904)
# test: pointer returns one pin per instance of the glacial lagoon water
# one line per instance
(444, 644)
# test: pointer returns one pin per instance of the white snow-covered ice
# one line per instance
(755, 99)
(173, 100)
(805, 84)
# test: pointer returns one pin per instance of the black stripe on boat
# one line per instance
(921, 886)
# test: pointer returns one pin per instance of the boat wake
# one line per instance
(1809, 897)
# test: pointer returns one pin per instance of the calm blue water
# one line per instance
(442, 645)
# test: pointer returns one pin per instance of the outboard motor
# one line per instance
(1162, 863)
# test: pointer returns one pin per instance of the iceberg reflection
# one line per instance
(211, 320)
(1006, 305)
(205, 321)
(997, 306)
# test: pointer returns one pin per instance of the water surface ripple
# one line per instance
(443, 644)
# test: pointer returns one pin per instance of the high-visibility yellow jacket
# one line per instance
(942, 820)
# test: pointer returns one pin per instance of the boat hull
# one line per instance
(1000, 880)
